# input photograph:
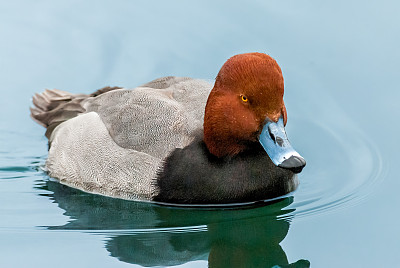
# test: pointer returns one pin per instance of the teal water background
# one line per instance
(340, 64)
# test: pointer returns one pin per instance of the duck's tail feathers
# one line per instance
(52, 107)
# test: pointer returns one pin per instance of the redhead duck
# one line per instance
(176, 140)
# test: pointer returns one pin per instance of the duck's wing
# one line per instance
(155, 118)
(112, 143)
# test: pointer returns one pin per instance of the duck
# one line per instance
(176, 140)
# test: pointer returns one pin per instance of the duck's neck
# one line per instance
(216, 137)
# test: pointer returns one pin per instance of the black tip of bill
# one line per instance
(294, 164)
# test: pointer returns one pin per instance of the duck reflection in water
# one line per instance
(153, 235)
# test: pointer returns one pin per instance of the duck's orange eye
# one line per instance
(244, 98)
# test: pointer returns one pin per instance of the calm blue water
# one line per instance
(340, 63)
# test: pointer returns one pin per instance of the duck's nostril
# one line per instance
(279, 141)
(272, 136)
(294, 163)
(272, 130)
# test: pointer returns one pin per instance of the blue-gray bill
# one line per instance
(275, 142)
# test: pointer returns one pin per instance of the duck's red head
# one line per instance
(248, 92)
(248, 88)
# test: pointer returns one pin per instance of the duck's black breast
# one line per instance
(193, 176)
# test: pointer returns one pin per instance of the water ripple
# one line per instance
(341, 173)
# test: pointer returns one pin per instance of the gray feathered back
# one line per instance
(155, 118)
